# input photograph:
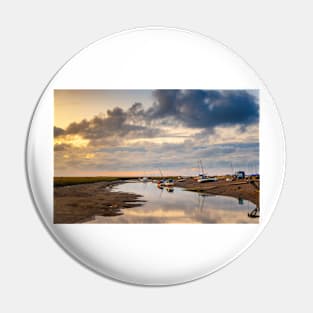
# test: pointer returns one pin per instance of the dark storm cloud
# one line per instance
(190, 108)
(203, 108)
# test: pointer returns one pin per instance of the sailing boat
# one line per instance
(161, 182)
(169, 183)
(144, 179)
(202, 178)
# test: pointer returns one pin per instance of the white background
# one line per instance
(274, 274)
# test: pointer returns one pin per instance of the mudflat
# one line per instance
(248, 190)
(82, 202)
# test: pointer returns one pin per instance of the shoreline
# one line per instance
(80, 203)
(234, 189)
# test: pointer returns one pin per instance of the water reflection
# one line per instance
(176, 205)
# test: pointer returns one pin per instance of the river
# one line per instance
(177, 205)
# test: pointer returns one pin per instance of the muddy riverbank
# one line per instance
(83, 202)
(80, 203)
(236, 189)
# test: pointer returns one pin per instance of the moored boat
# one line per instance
(161, 183)
(205, 179)
(169, 182)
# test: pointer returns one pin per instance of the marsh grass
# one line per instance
(67, 181)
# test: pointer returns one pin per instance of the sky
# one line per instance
(138, 132)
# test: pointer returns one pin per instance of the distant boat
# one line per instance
(169, 182)
(204, 179)
(143, 179)
(161, 183)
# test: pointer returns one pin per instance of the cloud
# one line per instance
(179, 158)
(58, 131)
(114, 126)
(204, 108)
(61, 147)
(218, 127)
(176, 156)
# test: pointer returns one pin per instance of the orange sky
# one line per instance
(76, 105)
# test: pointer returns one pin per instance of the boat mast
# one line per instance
(202, 171)
(161, 173)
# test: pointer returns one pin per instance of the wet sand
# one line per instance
(236, 189)
(81, 203)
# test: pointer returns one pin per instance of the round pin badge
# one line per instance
(155, 156)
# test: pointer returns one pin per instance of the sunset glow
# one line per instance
(138, 132)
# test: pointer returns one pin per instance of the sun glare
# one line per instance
(76, 141)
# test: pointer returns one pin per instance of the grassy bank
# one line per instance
(68, 181)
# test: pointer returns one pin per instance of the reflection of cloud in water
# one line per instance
(139, 215)
(179, 207)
